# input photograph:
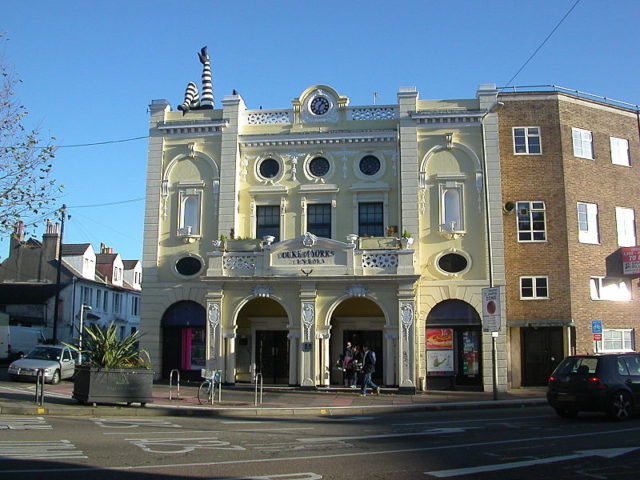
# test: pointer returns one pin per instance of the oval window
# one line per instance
(369, 165)
(188, 266)
(319, 167)
(269, 168)
(452, 263)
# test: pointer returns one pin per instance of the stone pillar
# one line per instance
(214, 359)
(229, 360)
(308, 357)
(294, 349)
(407, 345)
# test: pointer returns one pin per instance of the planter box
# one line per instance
(378, 243)
(113, 385)
(248, 245)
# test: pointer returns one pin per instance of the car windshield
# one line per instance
(578, 365)
(44, 353)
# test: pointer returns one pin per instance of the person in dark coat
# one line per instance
(368, 367)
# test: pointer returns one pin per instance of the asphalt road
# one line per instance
(525, 443)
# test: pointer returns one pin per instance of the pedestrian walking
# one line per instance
(347, 367)
(368, 367)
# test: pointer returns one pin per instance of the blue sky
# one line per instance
(89, 69)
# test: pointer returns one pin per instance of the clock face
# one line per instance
(319, 105)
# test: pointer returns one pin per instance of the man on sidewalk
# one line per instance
(368, 367)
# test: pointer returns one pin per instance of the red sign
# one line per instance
(630, 260)
(439, 338)
(597, 337)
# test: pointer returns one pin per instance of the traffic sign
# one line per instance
(597, 337)
(596, 326)
(491, 319)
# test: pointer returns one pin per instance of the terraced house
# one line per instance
(272, 237)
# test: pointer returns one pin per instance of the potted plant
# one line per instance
(406, 240)
(114, 370)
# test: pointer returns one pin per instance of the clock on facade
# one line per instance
(319, 105)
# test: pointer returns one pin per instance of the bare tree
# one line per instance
(26, 186)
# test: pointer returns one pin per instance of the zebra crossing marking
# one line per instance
(39, 450)
(23, 423)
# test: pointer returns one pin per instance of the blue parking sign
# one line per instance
(596, 326)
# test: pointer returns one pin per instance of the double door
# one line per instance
(541, 353)
(272, 356)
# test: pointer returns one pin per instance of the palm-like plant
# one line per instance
(104, 349)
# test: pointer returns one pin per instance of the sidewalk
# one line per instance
(19, 399)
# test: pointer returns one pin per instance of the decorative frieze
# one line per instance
(380, 260)
(372, 113)
(269, 117)
(239, 262)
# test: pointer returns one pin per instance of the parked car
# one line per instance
(608, 383)
(57, 361)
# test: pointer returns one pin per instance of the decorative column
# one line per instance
(214, 359)
(407, 345)
(294, 347)
(307, 350)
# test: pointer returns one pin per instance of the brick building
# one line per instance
(570, 184)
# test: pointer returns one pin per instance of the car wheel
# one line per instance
(567, 412)
(56, 378)
(620, 406)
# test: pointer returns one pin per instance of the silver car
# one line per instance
(57, 362)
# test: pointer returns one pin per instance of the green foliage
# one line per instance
(104, 349)
(223, 238)
(406, 234)
(26, 188)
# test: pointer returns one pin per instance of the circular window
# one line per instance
(269, 168)
(369, 165)
(188, 266)
(452, 263)
(319, 167)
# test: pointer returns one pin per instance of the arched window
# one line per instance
(190, 214)
(451, 208)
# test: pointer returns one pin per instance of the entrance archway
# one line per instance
(360, 321)
(183, 340)
(262, 342)
(453, 339)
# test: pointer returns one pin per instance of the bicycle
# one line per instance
(207, 389)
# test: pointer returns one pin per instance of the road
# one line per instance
(525, 443)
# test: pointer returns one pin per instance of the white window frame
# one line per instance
(582, 143)
(610, 289)
(610, 335)
(534, 282)
(185, 195)
(531, 207)
(619, 151)
(98, 299)
(527, 133)
(117, 302)
(626, 227)
(588, 223)
(447, 225)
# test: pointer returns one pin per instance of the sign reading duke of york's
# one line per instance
(306, 256)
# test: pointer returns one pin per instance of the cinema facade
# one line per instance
(272, 237)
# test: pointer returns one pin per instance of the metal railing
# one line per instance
(177, 373)
(579, 93)
(259, 381)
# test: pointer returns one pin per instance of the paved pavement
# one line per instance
(19, 399)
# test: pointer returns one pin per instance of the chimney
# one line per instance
(50, 249)
(18, 235)
(102, 247)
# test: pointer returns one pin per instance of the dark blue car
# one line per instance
(608, 383)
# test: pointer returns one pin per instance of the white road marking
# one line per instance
(39, 450)
(23, 423)
(324, 456)
(484, 420)
(134, 423)
(257, 430)
(182, 445)
(283, 476)
(608, 453)
(434, 431)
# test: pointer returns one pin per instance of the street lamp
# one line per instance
(83, 307)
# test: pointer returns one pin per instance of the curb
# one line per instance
(167, 411)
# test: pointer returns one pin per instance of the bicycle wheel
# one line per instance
(203, 392)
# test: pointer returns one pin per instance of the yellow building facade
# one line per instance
(273, 237)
